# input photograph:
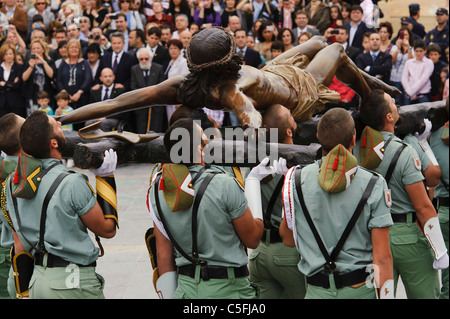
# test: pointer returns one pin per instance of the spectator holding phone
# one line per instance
(39, 72)
(97, 11)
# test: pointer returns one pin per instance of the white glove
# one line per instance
(253, 187)
(441, 263)
(432, 231)
(262, 170)
(166, 285)
(387, 291)
(109, 164)
(280, 166)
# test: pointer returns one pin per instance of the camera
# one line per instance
(334, 31)
(33, 56)
(38, 25)
(113, 17)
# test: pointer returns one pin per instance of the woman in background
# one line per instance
(287, 37)
(177, 65)
(266, 36)
(74, 76)
(385, 33)
(38, 75)
(10, 82)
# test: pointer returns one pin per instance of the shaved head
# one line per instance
(10, 125)
(335, 127)
(279, 117)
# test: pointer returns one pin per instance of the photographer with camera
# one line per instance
(96, 10)
(38, 74)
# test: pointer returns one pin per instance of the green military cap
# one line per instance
(26, 178)
(337, 170)
(176, 186)
(371, 149)
(6, 168)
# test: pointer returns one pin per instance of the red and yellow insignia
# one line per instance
(388, 197)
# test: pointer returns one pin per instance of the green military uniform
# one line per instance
(411, 252)
(331, 213)
(272, 265)
(416, 145)
(6, 238)
(67, 268)
(218, 244)
(440, 150)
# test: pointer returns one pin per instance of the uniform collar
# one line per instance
(12, 158)
(47, 162)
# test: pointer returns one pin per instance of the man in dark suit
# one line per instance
(356, 27)
(251, 57)
(60, 35)
(136, 40)
(301, 21)
(119, 61)
(107, 90)
(375, 62)
(342, 38)
(158, 53)
(73, 32)
(147, 73)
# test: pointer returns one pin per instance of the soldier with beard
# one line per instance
(416, 241)
(265, 261)
(50, 210)
(147, 73)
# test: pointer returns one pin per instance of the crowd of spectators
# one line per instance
(58, 56)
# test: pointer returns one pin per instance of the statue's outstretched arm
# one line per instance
(160, 94)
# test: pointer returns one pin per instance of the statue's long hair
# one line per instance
(212, 60)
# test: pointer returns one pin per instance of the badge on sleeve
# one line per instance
(417, 163)
(388, 197)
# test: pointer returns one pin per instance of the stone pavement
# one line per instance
(126, 265)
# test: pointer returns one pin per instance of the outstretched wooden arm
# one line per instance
(160, 94)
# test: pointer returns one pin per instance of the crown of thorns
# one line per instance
(225, 59)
